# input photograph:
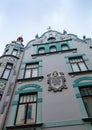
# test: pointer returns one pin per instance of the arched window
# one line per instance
(64, 47)
(41, 50)
(51, 39)
(29, 105)
(53, 49)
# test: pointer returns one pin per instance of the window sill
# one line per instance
(24, 126)
(31, 79)
(62, 51)
(80, 72)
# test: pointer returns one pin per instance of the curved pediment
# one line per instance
(27, 88)
(82, 81)
(52, 36)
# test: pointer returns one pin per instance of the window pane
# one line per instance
(27, 73)
(34, 72)
(14, 52)
(82, 66)
(88, 105)
(6, 74)
(41, 50)
(21, 114)
(53, 49)
(75, 67)
(64, 47)
(9, 66)
(31, 113)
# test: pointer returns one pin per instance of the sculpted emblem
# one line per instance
(56, 81)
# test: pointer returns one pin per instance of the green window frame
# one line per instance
(64, 47)
(37, 69)
(86, 94)
(27, 109)
(83, 92)
(41, 50)
(7, 71)
(27, 95)
(78, 62)
(31, 70)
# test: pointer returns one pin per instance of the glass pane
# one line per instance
(88, 105)
(14, 52)
(75, 67)
(21, 114)
(21, 99)
(82, 66)
(64, 47)
(35, 97)
(34, 72)
(31, 113)
(6, 74)
(41, 51)
(52, 49)
(9, 66)
(28, 98)
(27, 73)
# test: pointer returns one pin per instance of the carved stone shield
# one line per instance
(56, 81)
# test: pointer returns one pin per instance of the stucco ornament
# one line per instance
(2, 85)
(56, 81)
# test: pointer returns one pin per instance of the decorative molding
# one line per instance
(56, 81)
(83, 81)
(2, 85)
(32, 88)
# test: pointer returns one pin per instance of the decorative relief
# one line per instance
(3, 64)
(56, 81)
(9, 59)
(2, 85)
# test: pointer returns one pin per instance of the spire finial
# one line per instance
(49, 28)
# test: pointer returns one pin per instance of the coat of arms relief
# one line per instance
(56, 81)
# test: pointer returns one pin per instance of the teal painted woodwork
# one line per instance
(75, 56)
(24, 89)
(82, 82)
(22, 69)
(57, 45)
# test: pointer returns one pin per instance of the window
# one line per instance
(0, 96)
(14, 53)
(6, 51)
(78, 64)
(86, 93)
(51, 39)
(7, 71)
(31, 70)
(26, 113)
(64, 47)
(53, 49)
(41, 51)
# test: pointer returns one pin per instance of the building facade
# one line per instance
(47, 85)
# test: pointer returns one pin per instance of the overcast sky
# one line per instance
(26, 18)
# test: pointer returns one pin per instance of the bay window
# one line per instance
(7, 71)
